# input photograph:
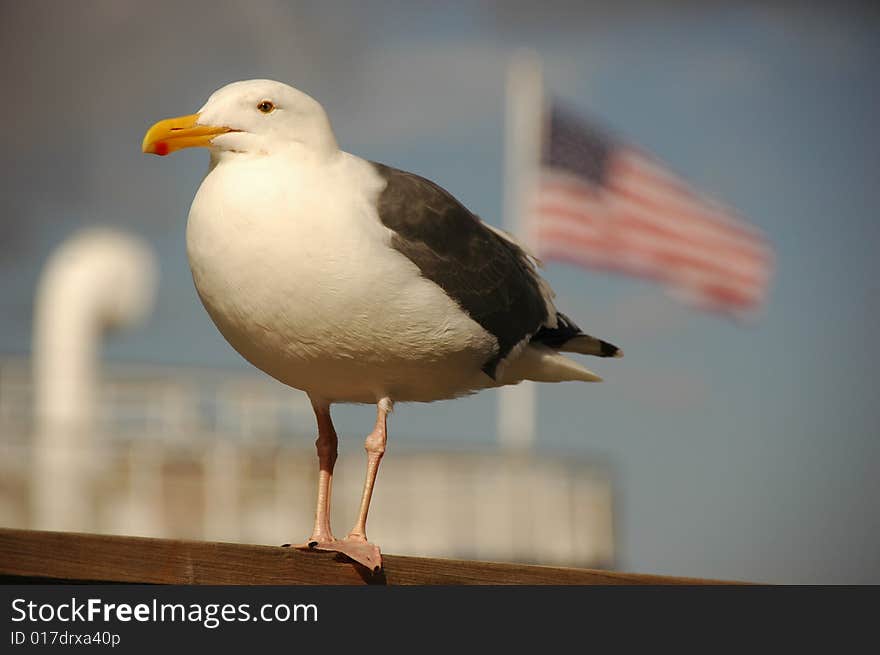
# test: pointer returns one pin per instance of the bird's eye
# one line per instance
(266, 106)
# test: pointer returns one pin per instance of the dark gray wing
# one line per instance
(488, 276)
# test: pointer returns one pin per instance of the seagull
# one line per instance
(353, 281)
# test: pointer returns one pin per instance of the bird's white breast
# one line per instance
(295, 268)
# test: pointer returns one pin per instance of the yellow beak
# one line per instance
(177, 133)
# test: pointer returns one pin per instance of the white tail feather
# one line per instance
(543, 364)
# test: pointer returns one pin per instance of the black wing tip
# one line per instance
(609, 350)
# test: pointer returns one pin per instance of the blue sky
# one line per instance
(737, 451)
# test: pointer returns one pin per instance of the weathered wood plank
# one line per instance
(28, 555)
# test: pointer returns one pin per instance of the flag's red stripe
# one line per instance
(647, 260)
(664, 218)
(663, 263)
(726, 295)
(718, 297)
(647, 269)
(706, 292)
(669, 218)
(633, 220)
(620, 238)
(688, 214)
(632, 170)
(684, 212)
(630, 220)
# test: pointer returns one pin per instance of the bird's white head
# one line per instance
(253, 116)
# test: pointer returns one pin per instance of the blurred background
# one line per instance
(715, 448)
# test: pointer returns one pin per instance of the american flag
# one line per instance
(602, 204)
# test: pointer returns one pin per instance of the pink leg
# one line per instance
(326, 445)
(355, 545)
(375, 445)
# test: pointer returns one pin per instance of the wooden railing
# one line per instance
(28, 556)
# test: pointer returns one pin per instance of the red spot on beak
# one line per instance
(161, 148)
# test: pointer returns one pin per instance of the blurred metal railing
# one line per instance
(188, 453)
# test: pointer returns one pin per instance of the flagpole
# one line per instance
(517, 405)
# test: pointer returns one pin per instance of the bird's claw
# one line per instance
(361, 551)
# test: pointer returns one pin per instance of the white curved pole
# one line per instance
(97, 280)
